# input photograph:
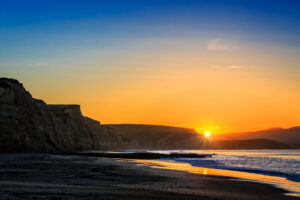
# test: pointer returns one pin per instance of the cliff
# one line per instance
(30, 125)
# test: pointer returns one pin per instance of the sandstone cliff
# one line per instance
(30, 125)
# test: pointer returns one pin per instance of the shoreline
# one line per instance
(48, 176)
(292, 187)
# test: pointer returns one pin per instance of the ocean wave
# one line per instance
(265, 164)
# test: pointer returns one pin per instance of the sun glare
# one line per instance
(207, 134)
(207, 130)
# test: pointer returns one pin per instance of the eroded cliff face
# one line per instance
(30, 125)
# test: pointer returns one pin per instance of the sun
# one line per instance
(207, 134)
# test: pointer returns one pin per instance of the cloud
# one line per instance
(233, 67)
(221, 45)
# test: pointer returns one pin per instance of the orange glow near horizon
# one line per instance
(207, 134)
(160, 100)
(175, 63)
(208, 130)
(191, 88)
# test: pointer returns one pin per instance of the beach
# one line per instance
(47, 176)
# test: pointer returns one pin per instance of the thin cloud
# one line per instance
(233, 67)
(221, 45)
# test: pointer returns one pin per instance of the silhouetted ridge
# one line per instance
(30, 125)
(290, 136)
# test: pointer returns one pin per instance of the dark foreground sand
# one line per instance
(42, 176)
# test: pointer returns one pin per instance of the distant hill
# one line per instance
(165, 137)
(249, 144)
(290, 136)
(137, 136)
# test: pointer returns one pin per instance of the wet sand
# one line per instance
(43, 176)
(279, 182)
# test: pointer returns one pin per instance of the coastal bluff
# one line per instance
(30, 125)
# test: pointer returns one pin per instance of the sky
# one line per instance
(229, 64)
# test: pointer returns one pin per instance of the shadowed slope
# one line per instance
(30, 125)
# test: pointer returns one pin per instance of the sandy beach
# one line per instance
(44, 176)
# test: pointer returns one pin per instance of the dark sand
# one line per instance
(42, 176)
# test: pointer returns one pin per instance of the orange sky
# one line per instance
(237, 89)
(198, 64)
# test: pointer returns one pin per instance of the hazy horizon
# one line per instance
(231, 65)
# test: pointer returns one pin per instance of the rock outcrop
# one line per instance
(31, 125)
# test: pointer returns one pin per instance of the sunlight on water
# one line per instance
(280, 182)
(277, 167)
(284, 163)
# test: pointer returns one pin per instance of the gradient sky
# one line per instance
(231, 64)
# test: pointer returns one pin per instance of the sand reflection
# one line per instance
(280, 182)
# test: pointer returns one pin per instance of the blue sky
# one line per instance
(261, 21)
(41, 31)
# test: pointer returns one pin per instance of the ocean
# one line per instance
(283, 163)
(280, 168)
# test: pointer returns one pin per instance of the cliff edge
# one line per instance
(31, 125)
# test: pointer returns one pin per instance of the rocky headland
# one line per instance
(30, 125)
